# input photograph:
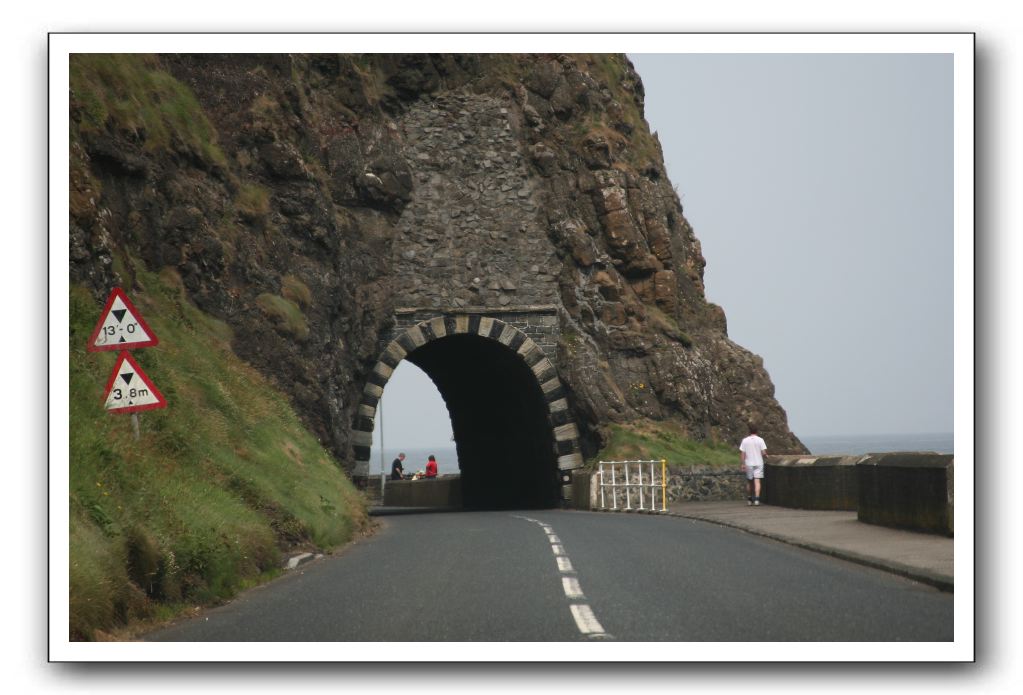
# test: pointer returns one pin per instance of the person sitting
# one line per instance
(431, 467)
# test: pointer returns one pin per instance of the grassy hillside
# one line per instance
(648, 440)
(129, 92)
(220, 482)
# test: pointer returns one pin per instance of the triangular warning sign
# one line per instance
(133, 394)
(121, 326)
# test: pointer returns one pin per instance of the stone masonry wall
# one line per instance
(471, 235)
(698, 483)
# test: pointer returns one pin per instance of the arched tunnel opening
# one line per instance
(499, 419)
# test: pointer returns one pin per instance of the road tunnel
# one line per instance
(500, 420)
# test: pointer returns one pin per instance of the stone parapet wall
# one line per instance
(812, 482)
(443, 491)
(907, 490)
(584, 489)
(913, 490)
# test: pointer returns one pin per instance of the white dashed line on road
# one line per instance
(571, 587)
(583, 615)
(586, 621)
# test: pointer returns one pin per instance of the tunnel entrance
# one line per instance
(515, 436)
(499, 419)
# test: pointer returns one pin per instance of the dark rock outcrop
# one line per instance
(341, 187)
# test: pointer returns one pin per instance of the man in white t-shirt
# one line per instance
(751, 454)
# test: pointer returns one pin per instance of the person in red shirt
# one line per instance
(431, 467)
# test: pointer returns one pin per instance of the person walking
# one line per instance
(751, 453)
(397, 470)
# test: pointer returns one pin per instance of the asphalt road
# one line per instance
(568, 576)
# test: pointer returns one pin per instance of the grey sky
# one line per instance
(414, 413)
(820, 187)
(831, 174)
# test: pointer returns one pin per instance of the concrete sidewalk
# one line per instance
(920, 556)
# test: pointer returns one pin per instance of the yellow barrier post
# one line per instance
(664, 485)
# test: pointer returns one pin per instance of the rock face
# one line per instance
(304, 198)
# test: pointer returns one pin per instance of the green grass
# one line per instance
(668, 325)
(220, 482)
(641, 147)
(649, 440)
(296, 291)
(252, 201)
(286, 313)
(129, 92)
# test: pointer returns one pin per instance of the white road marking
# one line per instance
(586, 621)
(571, 587)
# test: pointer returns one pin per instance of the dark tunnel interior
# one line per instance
(499, 419)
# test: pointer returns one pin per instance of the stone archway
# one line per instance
(513, 428)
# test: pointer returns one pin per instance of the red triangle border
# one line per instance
(114, 294)
(161, 401)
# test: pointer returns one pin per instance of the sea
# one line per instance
(415, 458)
(941, 443)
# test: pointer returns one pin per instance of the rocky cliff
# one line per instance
(304, 198)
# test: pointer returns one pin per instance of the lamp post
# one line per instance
(382, 474)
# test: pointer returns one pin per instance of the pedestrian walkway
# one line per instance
(921, 556)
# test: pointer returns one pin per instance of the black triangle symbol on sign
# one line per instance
(127, 377)
(122, 340)
(119, 313)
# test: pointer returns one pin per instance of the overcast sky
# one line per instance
(831, 176)
(820, 187)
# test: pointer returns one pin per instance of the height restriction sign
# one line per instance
(121, 326)
(129, 390)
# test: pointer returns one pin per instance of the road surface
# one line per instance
(567, 576)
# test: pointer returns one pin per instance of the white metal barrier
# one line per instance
(626, 478)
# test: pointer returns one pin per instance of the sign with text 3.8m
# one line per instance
(121, 326)
(129, 390)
